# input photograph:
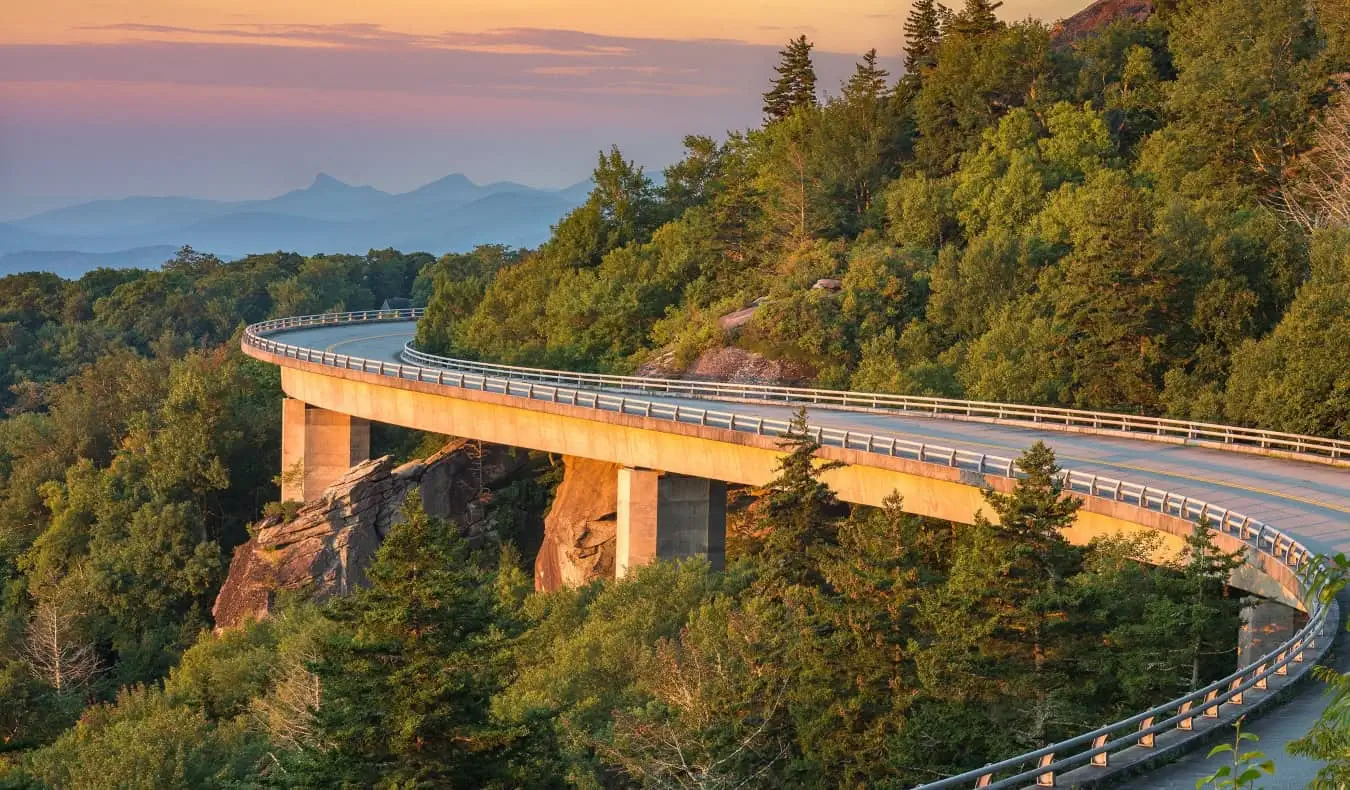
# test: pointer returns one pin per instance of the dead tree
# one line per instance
(56, 650)
(1318, 194)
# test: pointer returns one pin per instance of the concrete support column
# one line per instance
(1265, 626)
(318, 447)
(665, 516)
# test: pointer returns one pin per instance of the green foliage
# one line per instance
(795, 86)
(145, 741)
(408, 676)
(1244, 770)
(923, 33)
(797, 511)
(1295, 379)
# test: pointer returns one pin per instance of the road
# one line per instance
(1306, 500)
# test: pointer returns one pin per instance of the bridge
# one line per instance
(1284, 498)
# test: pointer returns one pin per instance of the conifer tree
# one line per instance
(1204, 580)
(408, 679)
(868, 82)
(977, 18)
(797, 511)
(923, 33)
(795, 85)
(1034, 612)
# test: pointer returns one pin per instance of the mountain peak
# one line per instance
(455, 182)
(325, 181)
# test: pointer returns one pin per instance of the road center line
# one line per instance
(369, 337)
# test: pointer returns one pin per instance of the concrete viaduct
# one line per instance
(1286, 499)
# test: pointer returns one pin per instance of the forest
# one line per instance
(1152, 216)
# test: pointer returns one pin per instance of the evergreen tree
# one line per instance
(923, 33)
(977, 18)
(798, 512)
(407, 681)
(868, 82)
(795, 85)
(1208, 608)
(1031, 602)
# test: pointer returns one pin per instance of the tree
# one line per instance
(1209, 609)
(1319, 194)
(717, 716)
(1242, 101)
(798, 513)
(789, 179)
(696, 179)
(923, 33)
(868, 82)
(977, 18)
(1295, 379)
(976, 81)
(408, 678)
(795, 85)
(56, 649)
(1032, 601)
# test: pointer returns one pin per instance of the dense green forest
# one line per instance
(1150, 218)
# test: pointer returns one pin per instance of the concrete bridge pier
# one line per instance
(667, 516)
(317, 447)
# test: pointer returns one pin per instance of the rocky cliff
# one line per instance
(728, 364)
(1097, 16)
(579, 532)
(325, 548)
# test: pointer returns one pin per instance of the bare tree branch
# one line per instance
(55, 649)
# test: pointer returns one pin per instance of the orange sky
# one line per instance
(848, 26)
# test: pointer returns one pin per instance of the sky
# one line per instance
(251, 98)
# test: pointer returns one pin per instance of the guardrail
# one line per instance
(1090, 748)
(1308, 447)
(1312, 447)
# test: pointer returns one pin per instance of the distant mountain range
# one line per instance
(449, 215)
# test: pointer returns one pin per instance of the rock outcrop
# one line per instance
(325, 548)
(579, 530)
(1097, 16)
(729, 364)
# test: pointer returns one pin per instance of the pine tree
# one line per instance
(798, 512)
(795, 85)
(407, 681)
(868, 82)
(923, 33)
(1210, 609)
(1034, 610)
(977, 18)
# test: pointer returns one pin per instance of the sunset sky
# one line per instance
(253, 97)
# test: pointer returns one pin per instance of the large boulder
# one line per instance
(579, 531)
(325, 548)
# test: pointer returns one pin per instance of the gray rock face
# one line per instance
(325, 548)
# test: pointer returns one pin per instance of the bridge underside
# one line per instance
(718, 456)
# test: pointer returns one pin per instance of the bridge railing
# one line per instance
(1092, 748)
(1311, 447)
(1308, 447)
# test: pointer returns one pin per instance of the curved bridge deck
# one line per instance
(1306, 501)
